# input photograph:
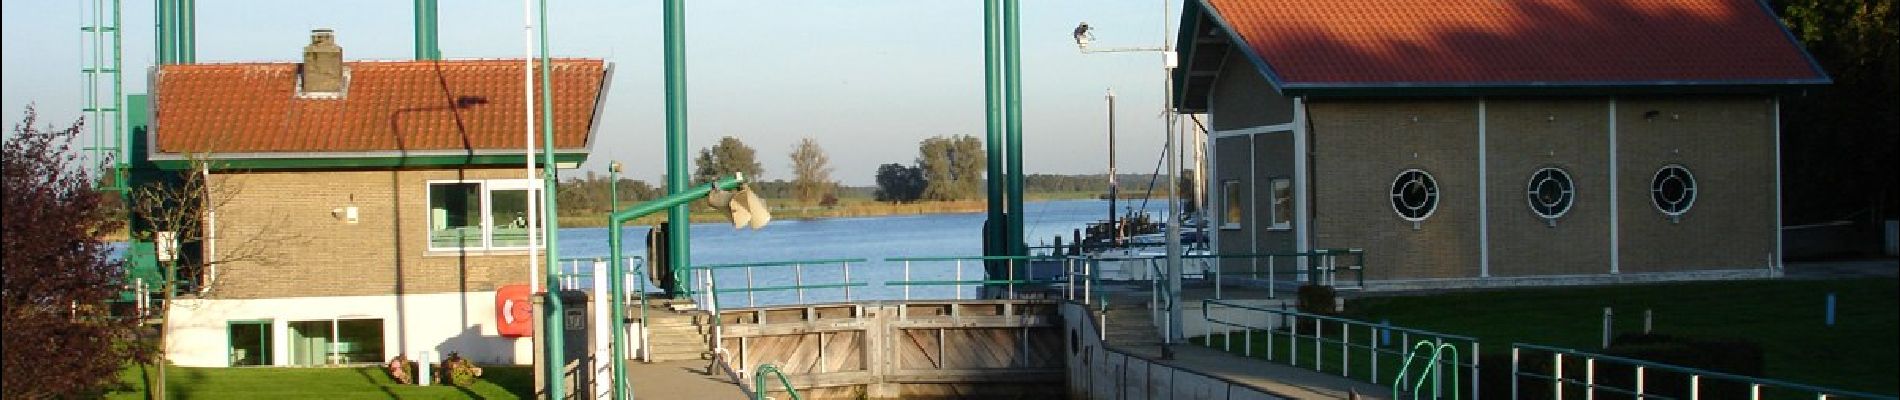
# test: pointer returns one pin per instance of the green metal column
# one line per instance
(679, 233)
(187, 31)
(1012, 73)
(161, 38)
(556, 350)
(427, 45)
(617, 284)
(993, 229)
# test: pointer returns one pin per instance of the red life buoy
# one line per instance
(514, 313)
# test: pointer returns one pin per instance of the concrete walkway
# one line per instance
(679, 380)
(1276, 378)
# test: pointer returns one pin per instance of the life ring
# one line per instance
(514, 313)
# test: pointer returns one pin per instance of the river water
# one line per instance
(870, 238)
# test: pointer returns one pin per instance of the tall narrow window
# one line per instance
(455, 215)
(1230, 195)
(1282, 189)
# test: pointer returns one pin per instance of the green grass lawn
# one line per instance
(1784, 316)
(497, 382)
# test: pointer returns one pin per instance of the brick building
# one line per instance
(390, 198)
(1476, 142)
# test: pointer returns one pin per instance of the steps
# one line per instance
(1130, 322)
(676, 330)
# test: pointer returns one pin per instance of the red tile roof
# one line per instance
(388, 106)
(1515, 42)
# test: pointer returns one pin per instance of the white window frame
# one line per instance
(486, 208)
(1274, 222)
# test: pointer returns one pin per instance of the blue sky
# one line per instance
(867, 78)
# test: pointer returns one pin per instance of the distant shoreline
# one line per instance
(848, 209)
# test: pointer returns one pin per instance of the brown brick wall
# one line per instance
(316, 254)
(1359, 146)
(1525, 135)
(1728, 143)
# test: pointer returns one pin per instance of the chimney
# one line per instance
(322, 64)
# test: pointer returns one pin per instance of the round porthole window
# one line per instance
(1673, 191)
(1551, 193)
(1414, 195)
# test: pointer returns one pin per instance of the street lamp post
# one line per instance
(1084, 35)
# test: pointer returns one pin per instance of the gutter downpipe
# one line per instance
(556, 353)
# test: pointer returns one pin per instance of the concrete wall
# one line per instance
(1097, 372)
(442, 323)
(1244, 99)
(297, 248)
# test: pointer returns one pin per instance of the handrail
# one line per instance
(779, 263)
(758, 382)
(973, 258)
(1432, 370)
(798, 279)
(1375, 334)
(1695, 375)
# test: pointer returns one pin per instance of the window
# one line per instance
(491, 214)
(336, 341)
(1551, 193)
(1230, 194)
(1673, 191)
(1414, 195)
(250, 342)
(1282, 192)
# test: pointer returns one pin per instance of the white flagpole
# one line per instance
(527, 95)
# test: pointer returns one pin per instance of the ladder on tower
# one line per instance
(102, 54)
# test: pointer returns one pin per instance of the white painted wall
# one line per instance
(441, 323)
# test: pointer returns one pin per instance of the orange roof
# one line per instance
(388, 106)
(1401, 43)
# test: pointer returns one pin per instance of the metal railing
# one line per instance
(1641, 377)
(758, 382)
(1321, 267)
(1009, 264)
(798, 286)
(1324, 333)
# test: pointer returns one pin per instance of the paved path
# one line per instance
(679, 380)
(1276, 378)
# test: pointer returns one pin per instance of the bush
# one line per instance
(1317, 299)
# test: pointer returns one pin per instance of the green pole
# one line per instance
(435, 31)
(993, 143)
(616, 284)
(187, 31)
(678, 250)
(163, 35)
(617, 273)
(421, 8)
(556, 351)
(1012, 76)
(118, 104)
